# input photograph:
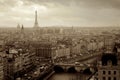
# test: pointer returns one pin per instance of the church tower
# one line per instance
(36, 22)
(18, 26)
(22, 28)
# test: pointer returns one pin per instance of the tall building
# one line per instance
(22, 33)
(108, 68)
(18, 26)
(43, 49)
(36, 22)
(17, 62)
(8, 67)
(1, 66)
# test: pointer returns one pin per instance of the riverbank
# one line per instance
(47, 77)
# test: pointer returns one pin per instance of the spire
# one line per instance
(22, 27)
(22, 34)
(18, 26)
(36, 22)
(36, 17)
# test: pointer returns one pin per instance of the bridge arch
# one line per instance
(87, 71)
(71, 69)
(58, 69)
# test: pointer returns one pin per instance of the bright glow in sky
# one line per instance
(60, 12)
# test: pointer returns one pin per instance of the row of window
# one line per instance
(109, 78)
(109, 72)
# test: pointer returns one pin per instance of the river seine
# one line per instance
(68, 76)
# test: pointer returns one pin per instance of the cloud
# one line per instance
(6, 5)
(66, 3)
(85, 3)
(65, 12)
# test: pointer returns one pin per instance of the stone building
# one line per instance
(62, 52)
(108, 67)
(16, 63)
(1, 67)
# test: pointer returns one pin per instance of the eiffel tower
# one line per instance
(36, 22)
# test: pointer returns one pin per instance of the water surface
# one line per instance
(68, 76)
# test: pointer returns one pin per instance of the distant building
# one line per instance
(43, 49)
(1, 45)
(117, 49)
(62, 52)
(76, 49)
(100, 45)
(17, 62)
(8, 67)
(109, 43)
(1, 67)
(92, 46)
(18, 26)
(36, 21)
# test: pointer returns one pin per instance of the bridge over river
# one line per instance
(79, 64)
(83, 62)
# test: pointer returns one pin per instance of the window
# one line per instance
(109, 72)
(96, 78)
(114, 78)
(109, 78)
(114, 72)
(103, 72)
(104, 78)
(96, 74)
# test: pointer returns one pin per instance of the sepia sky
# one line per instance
(60, 12)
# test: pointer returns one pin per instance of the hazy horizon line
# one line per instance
(61, 26)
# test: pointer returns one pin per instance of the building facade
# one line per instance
(1, 67)
(108, 68)
(17, 62)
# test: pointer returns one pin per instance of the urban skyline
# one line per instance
(60, 13)
(59, 39)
